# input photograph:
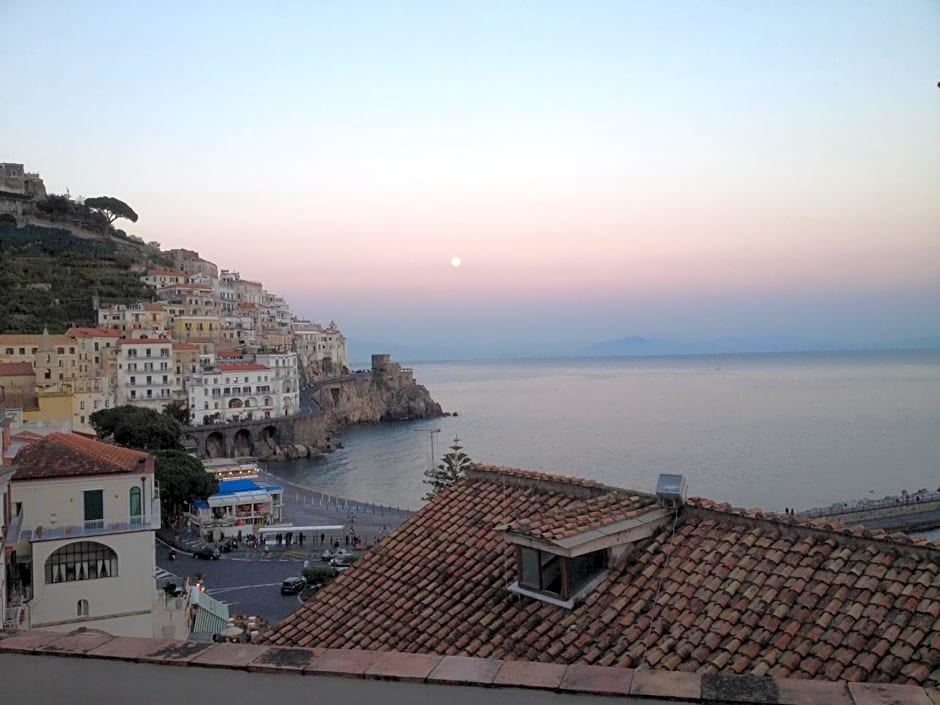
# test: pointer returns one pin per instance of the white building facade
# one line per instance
(85, 549)
(267, 388)
(322, 350)
(146, 374)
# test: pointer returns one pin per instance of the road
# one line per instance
(248, 585)
(249, 581)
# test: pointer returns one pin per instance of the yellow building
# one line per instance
(135, 317)
(197, 329)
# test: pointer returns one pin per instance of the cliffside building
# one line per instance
(146, 373)
(321, 350)
(128, 319)
(14, 179)
(265, 388)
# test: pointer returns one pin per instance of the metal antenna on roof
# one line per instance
(659, 587)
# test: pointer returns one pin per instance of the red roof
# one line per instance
(247, 367)
(16, 369)
(66, 455)
(186, 287)
(92, 333)
(185, 346)
(712, 590)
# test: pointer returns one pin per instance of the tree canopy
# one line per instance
(452, 468)
(177, 410)
(137, 427)
(182, 479)
(113, 208)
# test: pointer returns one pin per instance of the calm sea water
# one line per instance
(775, 431)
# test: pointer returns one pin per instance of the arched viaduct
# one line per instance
(257, 438)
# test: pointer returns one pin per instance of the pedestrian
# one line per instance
(347, 539)
(322, 538)
(301, 538)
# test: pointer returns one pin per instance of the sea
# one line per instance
(775, 431)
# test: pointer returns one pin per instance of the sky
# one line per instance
(687, 171)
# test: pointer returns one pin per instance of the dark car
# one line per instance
(208, 553)
(292, 586)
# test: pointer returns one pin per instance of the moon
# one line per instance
(455, 262)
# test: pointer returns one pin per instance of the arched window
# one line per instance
(82, 608)
(82, 560)
(136, 506)
(235, 404)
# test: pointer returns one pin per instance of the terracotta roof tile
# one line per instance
(92, 333)
(16, 369)
(756, 593)
(66, 455)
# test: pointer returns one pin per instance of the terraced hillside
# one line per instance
(48, 277)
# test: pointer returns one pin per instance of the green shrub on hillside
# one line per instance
(48, 276)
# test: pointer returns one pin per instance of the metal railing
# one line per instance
(94, 528)
(868, 505)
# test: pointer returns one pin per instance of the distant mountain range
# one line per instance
(630, 346)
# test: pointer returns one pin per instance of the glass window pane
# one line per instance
(94, 505)
(530, 568)
(551, 573)
(583, 568)
(135, 502)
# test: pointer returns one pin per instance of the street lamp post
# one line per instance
(430, 432)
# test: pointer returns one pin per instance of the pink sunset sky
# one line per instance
(755, 171)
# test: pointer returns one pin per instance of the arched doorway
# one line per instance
(242, 444)
(215, 445)
(269, 439)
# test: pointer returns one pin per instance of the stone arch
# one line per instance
(215, 445)
(269, 439)
(235, 403)
(242, 444)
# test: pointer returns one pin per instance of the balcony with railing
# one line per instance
(93, 528)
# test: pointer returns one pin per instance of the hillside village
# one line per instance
(509, 577)
(203, 338)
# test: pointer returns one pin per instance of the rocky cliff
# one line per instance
(383, 395)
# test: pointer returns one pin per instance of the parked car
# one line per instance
(342, 563)
(292, 586)
(208, 553)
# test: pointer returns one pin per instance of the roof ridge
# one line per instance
(570, 486)
(856, 531)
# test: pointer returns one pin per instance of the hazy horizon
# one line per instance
(675, 171)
